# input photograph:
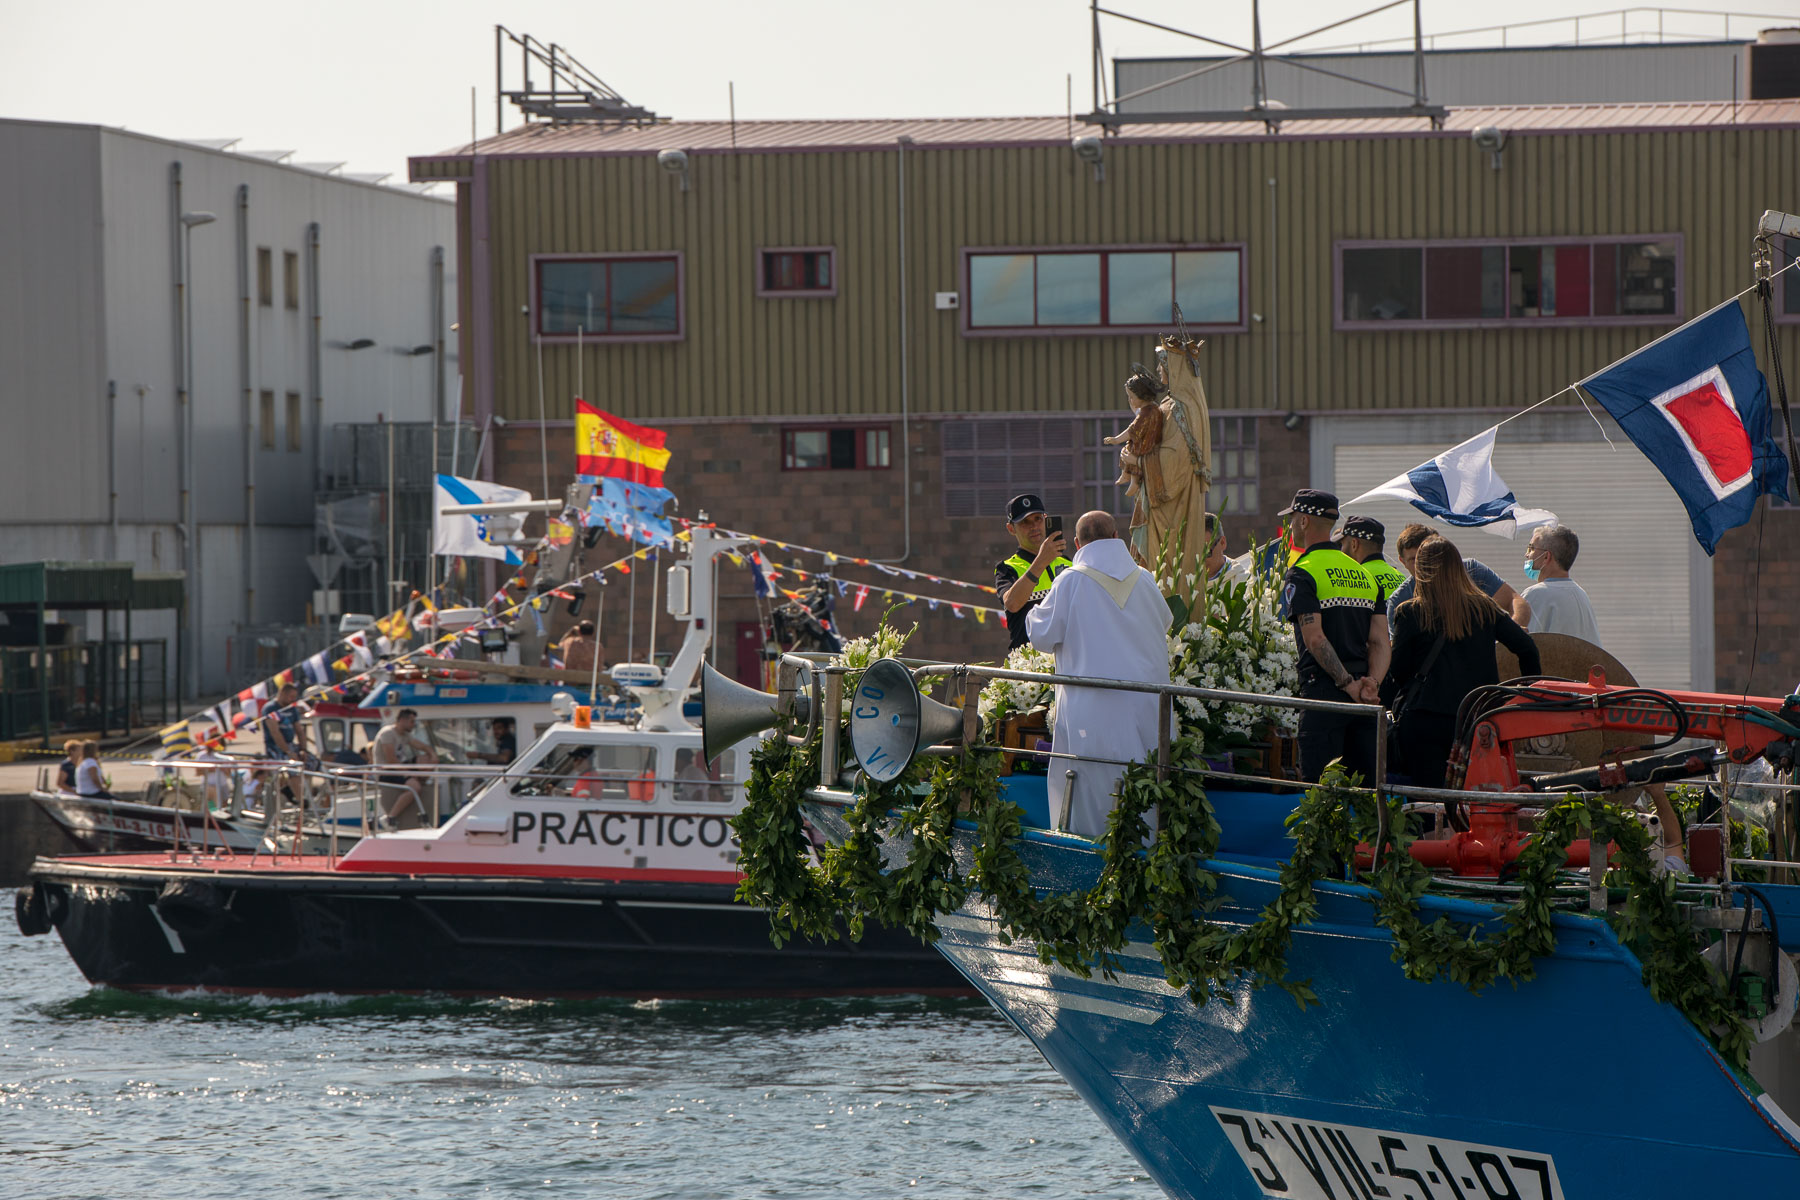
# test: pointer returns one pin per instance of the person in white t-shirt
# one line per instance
(1558, 603)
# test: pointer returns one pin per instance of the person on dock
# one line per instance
(1444, 638)
(1105, 617)
(402, 791)
(1023, 579)
(1484, 577)
(1558, 603)
(1339, 616)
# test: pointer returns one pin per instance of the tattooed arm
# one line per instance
(1312, 633)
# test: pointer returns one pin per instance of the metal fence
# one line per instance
(97, 687)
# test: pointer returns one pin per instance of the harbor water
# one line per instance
(106, 1094)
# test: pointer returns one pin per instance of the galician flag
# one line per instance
(1459, 487)
(473, 535)
(606, 445)
(1695, 404)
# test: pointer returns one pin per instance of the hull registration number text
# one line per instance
(1313, 1160)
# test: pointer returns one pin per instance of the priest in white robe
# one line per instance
(1103, 617)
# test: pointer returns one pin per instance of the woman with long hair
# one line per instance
(1444, 638)
(89, 779)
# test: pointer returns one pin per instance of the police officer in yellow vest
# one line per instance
(1364, 538)
(1340, 624)
(1023, 578)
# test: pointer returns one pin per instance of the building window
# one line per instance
(268, 421)
(1123, 290)
(295, 434)
(265, 277)
(632, 297)
(986, 463)
(1465, 283)
(797, 272)
(837, 448)
(290, 279)
(1234, 466)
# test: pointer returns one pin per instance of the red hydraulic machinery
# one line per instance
(1494, 719)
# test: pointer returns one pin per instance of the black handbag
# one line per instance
(1404, 698)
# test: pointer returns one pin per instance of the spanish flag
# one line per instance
(607, 445)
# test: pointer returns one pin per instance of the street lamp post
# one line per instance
(190, 552)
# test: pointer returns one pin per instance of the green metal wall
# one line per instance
(750, 356)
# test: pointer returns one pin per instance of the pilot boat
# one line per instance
(599, 862)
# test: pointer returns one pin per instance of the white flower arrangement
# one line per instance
(1243, 645)
(1003, 697)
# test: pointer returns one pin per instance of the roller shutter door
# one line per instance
(1636, 559)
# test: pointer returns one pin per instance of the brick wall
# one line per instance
(1754, 606)
(732, 471)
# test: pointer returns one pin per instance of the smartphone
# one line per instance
(1052, 525)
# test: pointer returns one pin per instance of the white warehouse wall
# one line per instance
(90, 217)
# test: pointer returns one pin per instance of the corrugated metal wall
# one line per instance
(745, 355)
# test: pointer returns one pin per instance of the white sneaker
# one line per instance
(383, 825)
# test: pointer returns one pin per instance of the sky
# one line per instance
(369, 82)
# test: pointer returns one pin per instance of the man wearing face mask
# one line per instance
(1558, 603)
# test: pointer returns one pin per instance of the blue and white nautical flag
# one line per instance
(631, 509)
(1459, 487)
(473, 535)
(1694, 402)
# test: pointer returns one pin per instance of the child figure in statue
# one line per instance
(1144, 434)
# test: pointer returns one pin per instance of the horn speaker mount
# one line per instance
(731, 712)
(890, 722)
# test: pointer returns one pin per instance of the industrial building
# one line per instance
(183, 327)
(866, 335)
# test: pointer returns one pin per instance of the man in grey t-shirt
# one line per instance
(1406, 546)
(1558, 603)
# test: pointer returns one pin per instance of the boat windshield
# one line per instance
(607, 770)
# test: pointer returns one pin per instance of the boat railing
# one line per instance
(825, 683)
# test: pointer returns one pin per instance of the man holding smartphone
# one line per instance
(1025, 577)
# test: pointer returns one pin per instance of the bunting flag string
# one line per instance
(832, 556)
(862, 594)
(253, 702)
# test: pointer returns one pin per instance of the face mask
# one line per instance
(1531, 571)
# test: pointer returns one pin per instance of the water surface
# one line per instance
(109, 1094)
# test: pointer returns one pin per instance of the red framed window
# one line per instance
(1124, 289)
(797, 271)
(1581, 281)
(625, 297)
(836, 448)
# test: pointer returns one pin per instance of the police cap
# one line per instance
(1313, 503)
(1020, 507)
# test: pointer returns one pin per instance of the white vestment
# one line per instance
(1116, 627)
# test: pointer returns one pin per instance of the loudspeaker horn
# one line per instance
(890, 722)
(731, 712)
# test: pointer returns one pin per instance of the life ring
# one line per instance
(30, 911)
(192, 908)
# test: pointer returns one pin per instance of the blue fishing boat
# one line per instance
(1576, 1083)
